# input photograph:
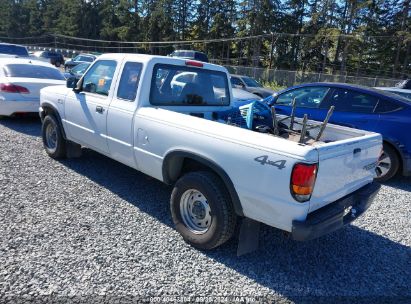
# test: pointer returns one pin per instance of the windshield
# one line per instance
(13, 50)
(189, 54)
(80, 68)
(250, 82)
(83, 58)
(32, 71)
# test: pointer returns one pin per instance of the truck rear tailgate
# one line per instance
(343, 167)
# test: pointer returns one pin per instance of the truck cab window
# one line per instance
(129, 80)
(99, 77)
(181, 85)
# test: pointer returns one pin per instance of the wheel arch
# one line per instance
(393, 144)
(48, 109)
(176, 163)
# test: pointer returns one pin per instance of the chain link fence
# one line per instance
(283, 78)
(289, 78)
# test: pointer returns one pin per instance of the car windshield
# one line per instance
(32, 71)
(83, 58)
(250, 82)
(13, 50)
(80, 69)
(189, 54)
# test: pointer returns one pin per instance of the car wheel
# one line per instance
(53, 141)
(202, 210)
(388, 164)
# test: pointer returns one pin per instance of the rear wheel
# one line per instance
(202, 210)
(53, 141)
(388, 164)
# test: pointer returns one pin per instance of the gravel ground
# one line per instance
(94, 229)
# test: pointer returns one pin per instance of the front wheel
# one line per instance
(388, 164)
(202, 210)
(53, 141)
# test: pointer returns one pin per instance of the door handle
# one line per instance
(99, 109)
(356, 151)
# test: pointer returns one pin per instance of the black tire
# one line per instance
(393, 167)
(223, 217)
(59, 149)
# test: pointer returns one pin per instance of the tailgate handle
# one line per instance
(356, 151)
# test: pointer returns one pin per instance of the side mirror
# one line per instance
(71, 82)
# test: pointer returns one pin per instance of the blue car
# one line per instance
(361, 108)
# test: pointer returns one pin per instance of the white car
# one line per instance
(402, 92)
(20, 82)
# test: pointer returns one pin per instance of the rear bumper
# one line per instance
(335, 215)
(8, 108)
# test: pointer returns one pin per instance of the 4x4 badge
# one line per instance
(263, 160)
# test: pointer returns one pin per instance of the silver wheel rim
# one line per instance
(384, 164)
(195, 211)
(51, 137)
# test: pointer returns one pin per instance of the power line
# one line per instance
(206, 41)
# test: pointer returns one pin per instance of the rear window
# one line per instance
(403, 94)
(199, 87)
(32, 71)
(13, 50)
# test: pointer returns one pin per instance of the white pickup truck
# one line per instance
(127, 107)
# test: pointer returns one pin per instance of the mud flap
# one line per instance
(248, 236)
(73, 150)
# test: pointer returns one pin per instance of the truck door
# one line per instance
(86, 110)
(120, 114)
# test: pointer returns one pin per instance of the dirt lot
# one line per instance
(92, 228)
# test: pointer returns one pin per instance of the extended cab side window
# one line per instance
(174, 85)
(130, 77)
(306, 97)
(99, 77)
(346, 100)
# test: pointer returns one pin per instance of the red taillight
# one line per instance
(194, 63)
(302, 181)
(13, 88)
